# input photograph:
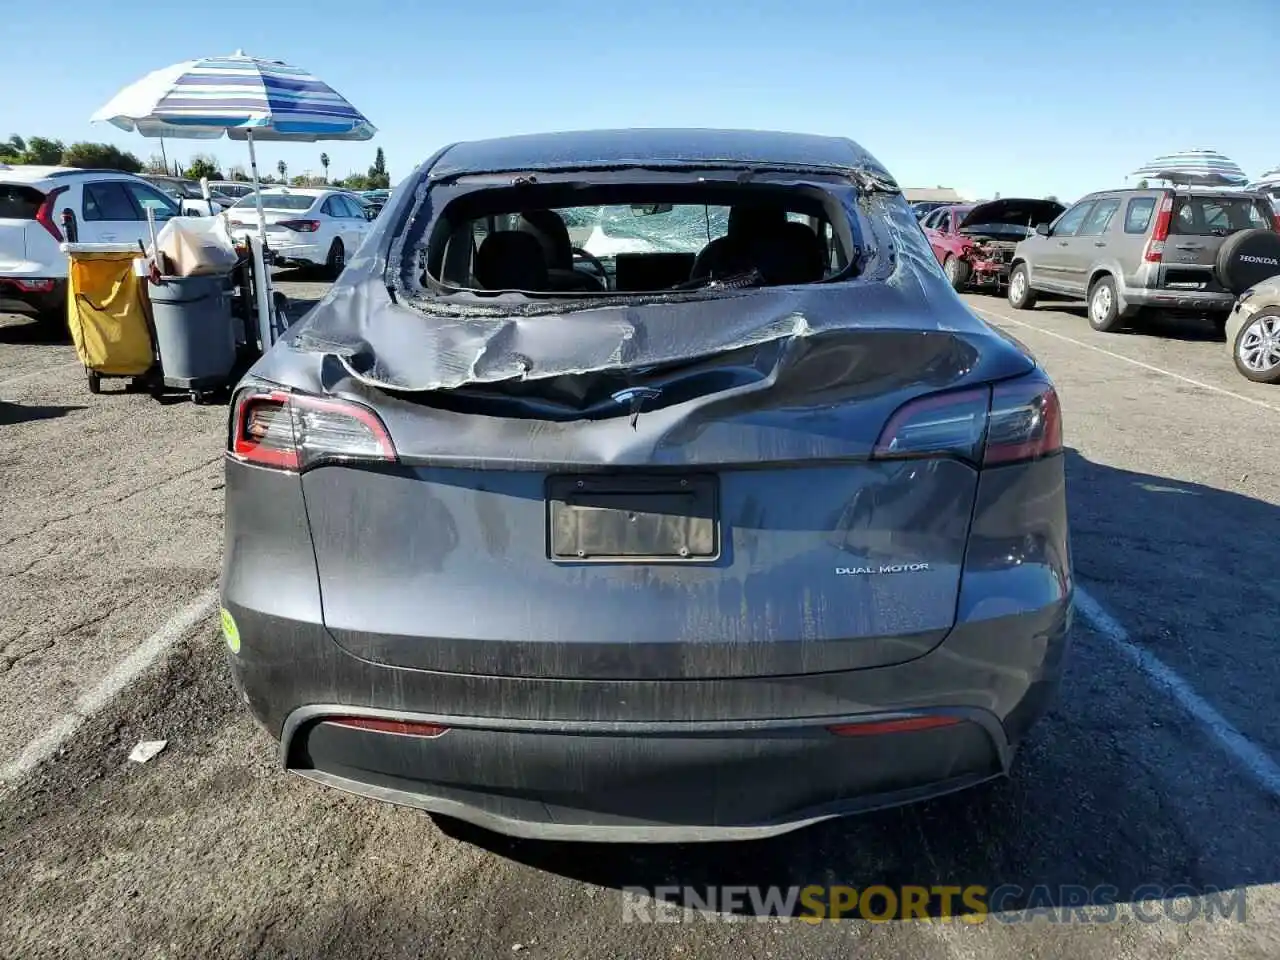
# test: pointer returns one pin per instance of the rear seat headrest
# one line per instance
(511, 260)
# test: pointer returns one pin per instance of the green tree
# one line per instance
(43, 151)
(202, 165)
(11, 150)
(282, 168)
(101, 155)
(324, 162)
(356, 181)
(238, 174)
(378, 177)
(155, 164)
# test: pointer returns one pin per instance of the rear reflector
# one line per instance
(1012, 421)
(873, 728)
(290, 431)
(378, 725)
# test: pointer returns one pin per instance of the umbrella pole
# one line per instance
(263, 284)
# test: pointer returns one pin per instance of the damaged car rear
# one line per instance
(646, 485)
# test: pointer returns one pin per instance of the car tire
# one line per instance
(957, 272)
(336, 261)
(1254, 359)
(1104, 305)
(1020, 294)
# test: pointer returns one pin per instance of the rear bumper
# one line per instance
(37, 293)
(283, 252)
(1166, 299)
(646, 782)
(730, 758)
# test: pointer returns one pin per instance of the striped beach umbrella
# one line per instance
(244, 98)
(1205, 168)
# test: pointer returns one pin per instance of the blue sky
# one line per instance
(1025, 98)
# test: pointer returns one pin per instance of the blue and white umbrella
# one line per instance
(244, 98)
(1203, 168)
(1268, 182)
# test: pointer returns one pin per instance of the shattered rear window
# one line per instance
(639, 239)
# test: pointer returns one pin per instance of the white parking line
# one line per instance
(1254, 760)
(125, 672)
(991, 314)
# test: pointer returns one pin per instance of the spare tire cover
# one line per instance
(1248, 257)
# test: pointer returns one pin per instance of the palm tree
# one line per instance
(281, 167)
(324, 162)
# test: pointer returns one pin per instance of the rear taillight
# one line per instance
(44, 285)
(300, 226)
(1164, 220)
(939, 425)
(1012, 421)
(1275, 222)
(289, 431)
(44, 214)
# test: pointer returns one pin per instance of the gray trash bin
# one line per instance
(195, 331)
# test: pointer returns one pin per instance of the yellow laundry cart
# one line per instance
(107, 311)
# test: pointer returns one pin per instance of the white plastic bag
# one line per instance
(197, 246)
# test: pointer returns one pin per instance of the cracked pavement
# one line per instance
(111, 521)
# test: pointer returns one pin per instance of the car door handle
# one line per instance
(1099, 243)
(1062, 243)
(1190, 246)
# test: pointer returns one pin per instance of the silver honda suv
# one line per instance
(1183, 250)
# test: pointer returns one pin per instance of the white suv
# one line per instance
(104, 206)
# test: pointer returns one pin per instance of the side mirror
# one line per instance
(1042, 229)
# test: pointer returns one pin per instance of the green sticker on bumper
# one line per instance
(230, 632)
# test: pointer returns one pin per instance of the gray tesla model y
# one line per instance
(646, 485)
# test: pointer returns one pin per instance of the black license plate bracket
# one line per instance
(633, 518)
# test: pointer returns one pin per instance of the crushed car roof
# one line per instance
(639, 147)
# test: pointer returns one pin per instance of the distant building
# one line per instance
(934, 194)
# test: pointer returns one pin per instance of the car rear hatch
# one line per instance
(30, 255)
(792, 507)
(1198, 223)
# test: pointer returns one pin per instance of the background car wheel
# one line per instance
(1257, 349)
(1021, 296)
(1104, 306)
(957, 272)
(336, 262)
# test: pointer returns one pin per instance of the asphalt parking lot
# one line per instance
(1159, 768)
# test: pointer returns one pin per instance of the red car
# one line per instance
(975, 243)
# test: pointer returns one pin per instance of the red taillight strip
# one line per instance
(1164, 220)
(44, 213)
(246, 448)
(870, 728)
(405, 728)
